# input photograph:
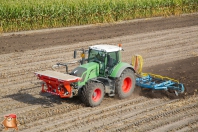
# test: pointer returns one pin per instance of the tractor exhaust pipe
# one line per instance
(82, 61)
(75, 54)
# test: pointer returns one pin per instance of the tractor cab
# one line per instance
(107, 56)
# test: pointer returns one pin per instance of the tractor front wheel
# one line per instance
(93, 94)
(125, 84)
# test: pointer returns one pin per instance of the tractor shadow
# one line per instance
(43, 99)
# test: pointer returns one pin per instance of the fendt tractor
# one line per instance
(101, 73)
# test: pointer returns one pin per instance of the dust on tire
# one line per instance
(127, 75)
(92, 94)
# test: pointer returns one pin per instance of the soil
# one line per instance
(169, 47)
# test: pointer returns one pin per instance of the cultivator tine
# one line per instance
(176, 93)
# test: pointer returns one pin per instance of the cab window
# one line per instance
(112, 58)
(96, 55)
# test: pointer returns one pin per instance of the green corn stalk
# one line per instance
(17, 15)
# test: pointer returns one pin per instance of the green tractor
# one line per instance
(101, 73)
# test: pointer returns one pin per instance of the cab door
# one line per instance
(112, 61)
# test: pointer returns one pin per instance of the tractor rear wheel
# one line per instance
(125, 84)
(93, 94)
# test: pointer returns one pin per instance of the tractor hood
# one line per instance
(78, 71)
(86, 71)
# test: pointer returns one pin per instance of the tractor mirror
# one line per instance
(74, 54)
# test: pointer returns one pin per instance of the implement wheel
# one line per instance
(93, 94)
(125, 84)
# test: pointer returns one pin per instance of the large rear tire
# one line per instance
(93, 94)
(125, 84)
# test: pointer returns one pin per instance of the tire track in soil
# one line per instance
(103, 123)
(167, 115)
(182, 121)
(35, 112)
(87, 113)
(19, 84)
(165, 54)
(88, 124)
(98, 113)
(154, 115)
(104, 119)
(190, 127)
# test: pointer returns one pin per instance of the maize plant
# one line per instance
(18, 15)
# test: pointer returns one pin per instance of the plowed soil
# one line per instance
(169, 47)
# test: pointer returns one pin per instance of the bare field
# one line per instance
(171, 52)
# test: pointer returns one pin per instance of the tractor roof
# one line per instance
(106, 48)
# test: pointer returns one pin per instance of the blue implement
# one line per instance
(157, 82)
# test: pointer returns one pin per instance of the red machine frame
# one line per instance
(57, 86)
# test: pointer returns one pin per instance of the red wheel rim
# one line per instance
(96, 95)
(127, 83)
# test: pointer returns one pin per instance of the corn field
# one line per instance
(19, 15)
